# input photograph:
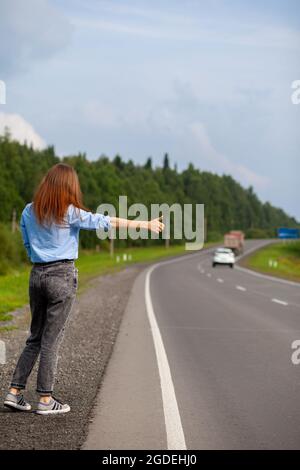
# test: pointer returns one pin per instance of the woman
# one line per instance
(50, 228)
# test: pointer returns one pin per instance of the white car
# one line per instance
(223, 256)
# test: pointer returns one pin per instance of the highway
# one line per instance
(202, 361)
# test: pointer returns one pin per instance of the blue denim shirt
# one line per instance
(55, 242)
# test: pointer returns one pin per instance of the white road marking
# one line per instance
(251, 250)
(199, 267)
(243, 289)
(208, 274)
(265, 276)
(220, 280)
(174, 430)
(281, 302)
(255, 273)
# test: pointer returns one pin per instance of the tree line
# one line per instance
(228, 205)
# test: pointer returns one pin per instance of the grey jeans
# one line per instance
(52, 291)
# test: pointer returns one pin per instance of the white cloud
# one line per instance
(100, 115)
(20, 130)
(220, 163)
(173, 124)
(30, 31)
(107, 117)
(115, 27)
(198, 30)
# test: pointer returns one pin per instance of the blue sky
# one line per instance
(209, 82)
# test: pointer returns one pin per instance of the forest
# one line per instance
(228, 205)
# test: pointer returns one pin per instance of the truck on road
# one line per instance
(235, 240)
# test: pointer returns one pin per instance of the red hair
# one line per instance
(58, 189)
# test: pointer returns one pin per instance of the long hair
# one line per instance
(58, 189)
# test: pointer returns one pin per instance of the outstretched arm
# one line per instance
(89, 221)
(155, 225)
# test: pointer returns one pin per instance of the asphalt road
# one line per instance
(202, 361)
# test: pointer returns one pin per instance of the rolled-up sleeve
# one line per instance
(25, 235)
(87, 220)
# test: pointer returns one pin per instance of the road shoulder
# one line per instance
(85, 352)
(128, 413)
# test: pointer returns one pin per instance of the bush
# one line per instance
(292, 247)
(213, 236)
(258, 233)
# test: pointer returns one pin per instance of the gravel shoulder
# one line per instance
(85, 352)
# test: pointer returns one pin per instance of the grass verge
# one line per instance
(14, 286)
(280, 259)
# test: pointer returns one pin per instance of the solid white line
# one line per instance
(281, 302)
(251, 250)
(265, 276)
(241, 288)
(220, 280)
(174, 430)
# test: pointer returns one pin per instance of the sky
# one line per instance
(209, 82)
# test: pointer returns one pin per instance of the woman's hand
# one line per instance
(155, 225)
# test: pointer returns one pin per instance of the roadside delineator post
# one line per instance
(111, 247)
(2, 352)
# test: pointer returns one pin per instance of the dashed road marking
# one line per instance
(280, 302)
(241, 288)
(208, 274)
(220, 280)
(199, 267)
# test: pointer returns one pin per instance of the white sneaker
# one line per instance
(16, 402)
(54, 407)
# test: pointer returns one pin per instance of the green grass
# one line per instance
(5, 317)
(7, 328)
(92, 264)
(14, 286)
(287, 256)
(13, 291)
